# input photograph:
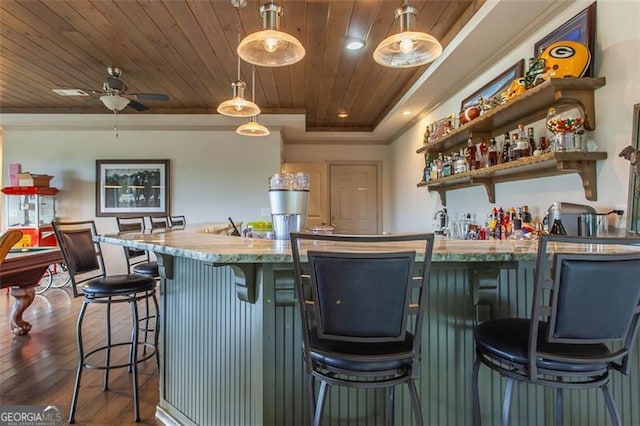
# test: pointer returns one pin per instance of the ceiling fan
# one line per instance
(115, 97)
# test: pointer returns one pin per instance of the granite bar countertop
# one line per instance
(200, 242)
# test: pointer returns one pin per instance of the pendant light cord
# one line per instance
(239, 38)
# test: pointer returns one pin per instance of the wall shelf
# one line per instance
(549, 164)
(528, 107)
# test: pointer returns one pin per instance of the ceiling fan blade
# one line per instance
(150, 96)
(137, 105)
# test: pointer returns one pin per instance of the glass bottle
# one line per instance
(532, 141)
(493, 153)
(525, 215)
(506, 148)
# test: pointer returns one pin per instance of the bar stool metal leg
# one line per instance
(76, 386)
(107, 359)
(134, 358)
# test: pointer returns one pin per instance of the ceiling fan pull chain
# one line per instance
(115, 127)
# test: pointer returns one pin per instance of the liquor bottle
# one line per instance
(532, 141)
(526, 215)
(506, 148)
(427, 168)
(493, 153)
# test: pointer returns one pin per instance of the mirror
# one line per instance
(633, 204)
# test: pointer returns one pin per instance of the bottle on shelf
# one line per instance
(493, 153)
(506, 148)
(471, 154)
(532, 141)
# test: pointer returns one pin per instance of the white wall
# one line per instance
(214, 174)
(617, 59)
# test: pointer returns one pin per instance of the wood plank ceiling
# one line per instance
(186, 49)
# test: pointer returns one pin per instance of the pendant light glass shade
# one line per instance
(238, 106)
(407, 48)
(271, 47)
(115, 103)
(252, 128)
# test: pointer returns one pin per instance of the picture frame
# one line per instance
(132, 187)
(495, 86)
(633, 202)
(440, 127)
(581, 28)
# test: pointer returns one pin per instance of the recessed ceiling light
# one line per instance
(343, 114)
(70, 92)
(354, 44)
(406, 112)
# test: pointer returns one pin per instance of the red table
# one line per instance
(21, 272)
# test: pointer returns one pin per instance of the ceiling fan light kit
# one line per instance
(407, 48)
(252, 128)
(271, 47)
(115, 103)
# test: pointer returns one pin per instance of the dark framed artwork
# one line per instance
(495, 86)
(132, 187)
(633, 203)
(581, 28)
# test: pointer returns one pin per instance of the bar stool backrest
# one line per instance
(587, 292)
(81, 253)
(177, 221)
(361, 289)
(159, 222)
(133, 224)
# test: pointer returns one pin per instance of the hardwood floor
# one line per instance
(39, 368)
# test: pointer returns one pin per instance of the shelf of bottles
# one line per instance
(468, 163)
(548, 164)
(528, 107)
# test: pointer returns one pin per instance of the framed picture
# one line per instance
(633, 204)
(132, 187)
(581, 28)
(439, 128)
(495, 86)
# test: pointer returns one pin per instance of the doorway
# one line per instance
(355, 198)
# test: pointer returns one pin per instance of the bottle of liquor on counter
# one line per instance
(525, 215)
(506, 148)
(493, 153)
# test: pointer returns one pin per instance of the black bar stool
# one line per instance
(139, 262)
(362, 302)
(84, 259)
(584, 321)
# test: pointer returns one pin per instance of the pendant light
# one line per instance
(238, 106)
(407, 48)
(271, 47)
(252, 127)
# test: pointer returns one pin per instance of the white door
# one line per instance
(354, 193)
